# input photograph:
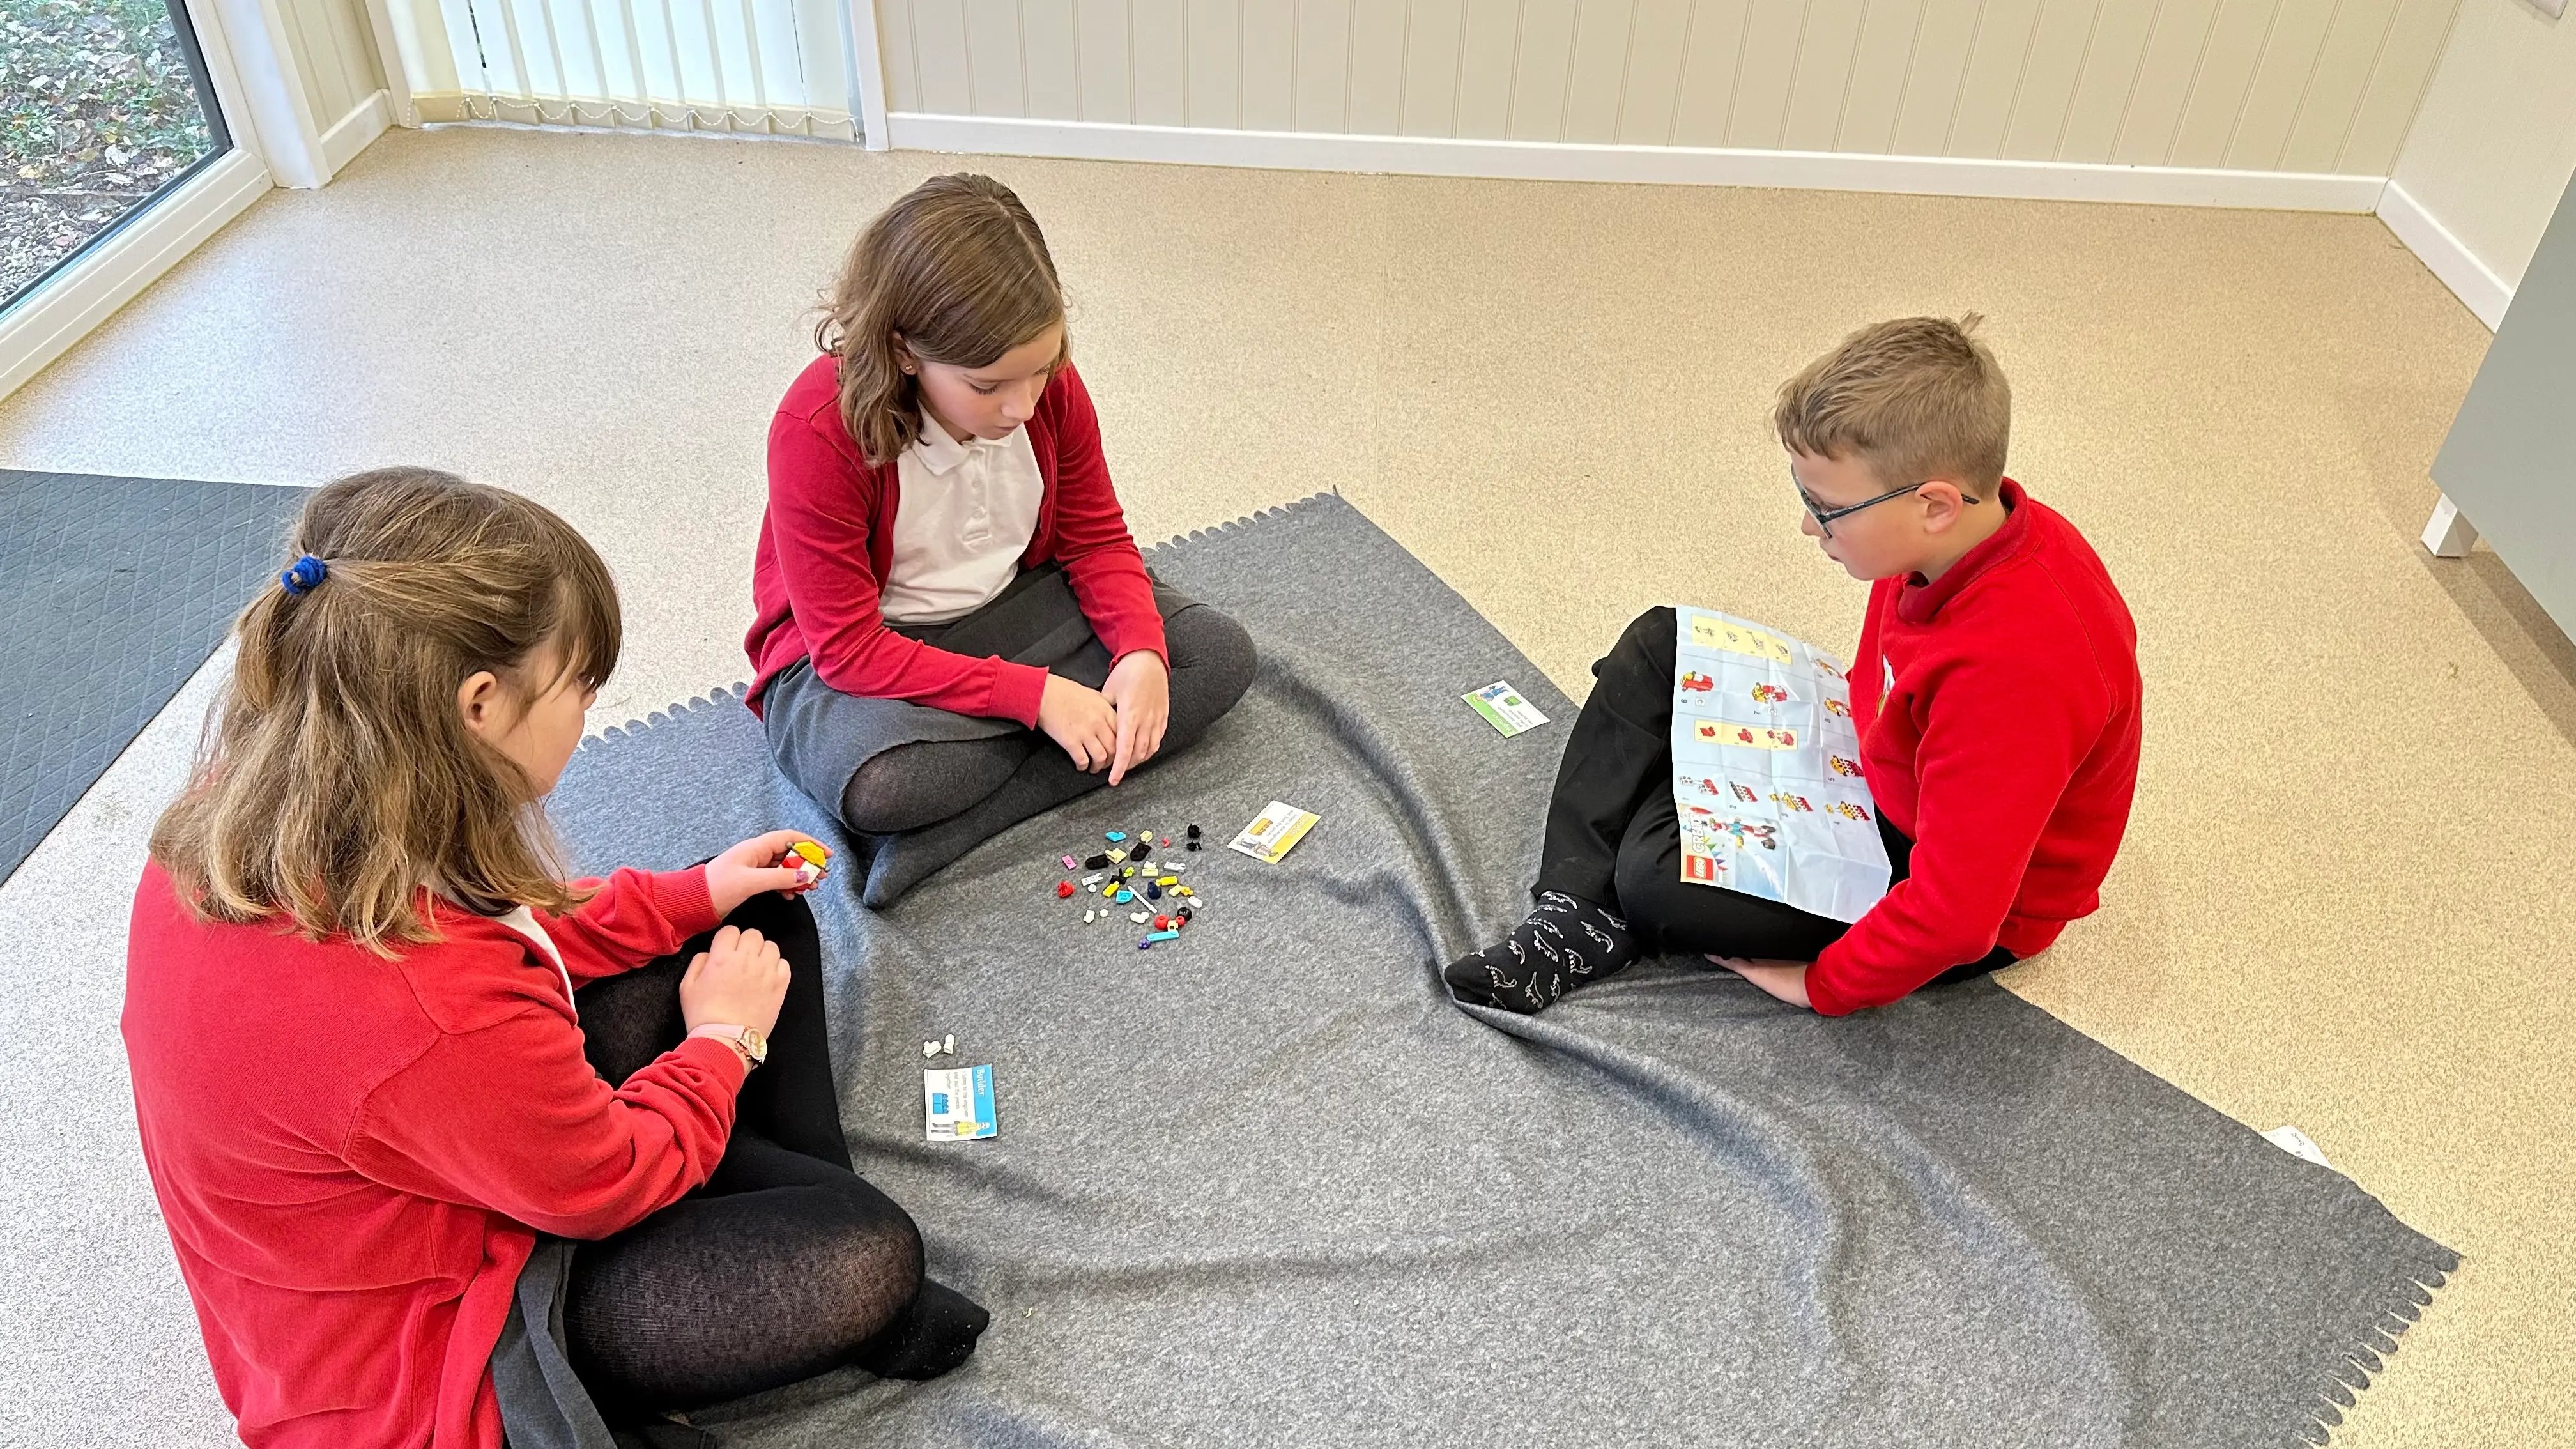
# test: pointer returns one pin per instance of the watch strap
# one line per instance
(746, 1042)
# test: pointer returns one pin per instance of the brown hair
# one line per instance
(957, 269)
(1915, 399)
(336, 778)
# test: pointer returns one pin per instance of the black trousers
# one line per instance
(1614, 837)
(785, 1263)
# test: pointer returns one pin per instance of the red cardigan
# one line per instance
(2006, 748)
(354, 1155)
(828, 537)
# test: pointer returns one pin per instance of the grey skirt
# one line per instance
(820, 736)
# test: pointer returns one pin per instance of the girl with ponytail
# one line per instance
(398, 1079)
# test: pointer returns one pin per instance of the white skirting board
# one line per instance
(1666, 165)
(355, 131)
(63, 309)
(2459, 269)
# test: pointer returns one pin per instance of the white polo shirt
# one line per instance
(966, 514)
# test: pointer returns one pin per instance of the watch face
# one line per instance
(757, 1044)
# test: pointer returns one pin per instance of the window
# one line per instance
(104, 106)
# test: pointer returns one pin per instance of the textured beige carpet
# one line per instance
(2335, 907)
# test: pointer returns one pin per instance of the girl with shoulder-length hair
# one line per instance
(386, 1059)
(955, 629)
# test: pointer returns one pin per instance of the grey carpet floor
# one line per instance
(113, 591)
(1268, 1185)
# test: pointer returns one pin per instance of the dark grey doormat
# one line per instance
(114, 591)
(1265, 1185)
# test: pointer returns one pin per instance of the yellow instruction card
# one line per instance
(1275, 831)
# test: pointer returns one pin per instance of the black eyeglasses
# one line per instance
(1825, 516)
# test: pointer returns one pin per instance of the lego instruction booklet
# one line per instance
(1766, 770)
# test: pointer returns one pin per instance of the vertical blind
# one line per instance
(778, 66)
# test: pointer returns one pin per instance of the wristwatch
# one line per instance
(746, 1040)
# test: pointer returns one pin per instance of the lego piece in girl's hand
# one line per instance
(809, 861)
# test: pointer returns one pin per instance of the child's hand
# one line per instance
(1784, 979)
(758, 864)
(1080, 719)
(739, 980)
(1140, 689)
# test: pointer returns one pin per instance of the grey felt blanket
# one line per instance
(1267, 1185)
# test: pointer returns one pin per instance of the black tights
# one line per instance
(1024, 772)
(785, 1263)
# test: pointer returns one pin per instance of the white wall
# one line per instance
(2495, 143)
(2261, 85)
(335, 55)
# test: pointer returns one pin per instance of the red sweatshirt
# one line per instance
(354, 1155)
(828, 537)
(2005, 747)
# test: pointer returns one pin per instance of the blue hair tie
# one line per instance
(304, 574)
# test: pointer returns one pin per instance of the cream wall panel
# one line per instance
(996, 74)
(895, 49)
(1434, 33)
(1054, 59)
(1826, 47)
(1376, 92)
(2297, 85)
(1266, 66)
(1997, 55)
(1216, 63)
(1710, 63)
(1485, 58)
(2046, 90)
(1597, 74)
(2105, 81)
(1763, 74)
(939, 50)
(335, 55)
(2217, 99)
(1932, 78)
(1658, 38)
(1100, 60)
(1544, 52)
(2280, 79)
(1321, 70)
(2344, 66)
(1882, 56)
(2397, 86)
(1158, 62)
(2175, 45)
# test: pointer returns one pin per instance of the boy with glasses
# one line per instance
(1995, 691)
